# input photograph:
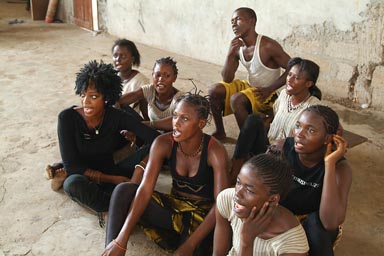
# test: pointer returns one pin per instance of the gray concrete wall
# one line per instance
(344, 37)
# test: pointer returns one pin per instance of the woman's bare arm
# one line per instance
(131, 97)
(336, 185)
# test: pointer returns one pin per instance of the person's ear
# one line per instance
(202, 123)
(309, 84)
(275, 198)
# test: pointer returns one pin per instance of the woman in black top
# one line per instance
(183, 219)
(322, 176)
(91, 133)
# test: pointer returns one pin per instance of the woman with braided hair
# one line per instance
(160, 94)
(250, 213)
(322, 176)
(183, 220)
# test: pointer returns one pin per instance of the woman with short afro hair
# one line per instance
(90, 134)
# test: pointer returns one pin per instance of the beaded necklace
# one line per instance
(194, 153)
(292, 107)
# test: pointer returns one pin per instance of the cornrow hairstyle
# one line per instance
(274, 171)
(103, 77)
(250, 12)
(311, 70)
(167, 60)
(200, 103)
(131, 47)
(329, 116)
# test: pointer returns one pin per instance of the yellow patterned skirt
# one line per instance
(187, 215)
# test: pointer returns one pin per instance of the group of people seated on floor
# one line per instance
(284, 192)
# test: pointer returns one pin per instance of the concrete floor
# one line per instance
(37, 73)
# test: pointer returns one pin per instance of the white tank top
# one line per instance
(258, 74)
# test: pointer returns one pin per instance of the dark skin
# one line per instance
(163, 78)
(259, 211)
(272, 55)
(123, 62)
(92, 110)
(188, 132)
(312, 145)
(297, 86)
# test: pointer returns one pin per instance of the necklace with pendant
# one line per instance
(98, 127)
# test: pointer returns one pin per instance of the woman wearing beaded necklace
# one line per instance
(183, 220)
(299, 93)
(160, 94)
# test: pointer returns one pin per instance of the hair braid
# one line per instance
(275, 172)
(329, 116)
(168, 60)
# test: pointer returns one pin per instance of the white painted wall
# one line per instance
(340, 35)
(201, 28)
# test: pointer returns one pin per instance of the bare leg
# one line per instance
(241, 107)
(217, 95)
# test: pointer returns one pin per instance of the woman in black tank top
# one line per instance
(183, 220)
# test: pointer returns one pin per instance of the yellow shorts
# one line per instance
(243, 86)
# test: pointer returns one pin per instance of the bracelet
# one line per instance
(119, 245)
(140, 167)
(152, 124)
(95, 176)
(142, 163)
(99, 178)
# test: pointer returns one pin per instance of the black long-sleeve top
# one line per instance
(81, 148)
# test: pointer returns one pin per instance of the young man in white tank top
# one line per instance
(263, 58)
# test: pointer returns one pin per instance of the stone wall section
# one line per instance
(351, 62)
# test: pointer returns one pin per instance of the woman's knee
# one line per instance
(74, 183)
(320, 240)
(253, 122)
(124, 192)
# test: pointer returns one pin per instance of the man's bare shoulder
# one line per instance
(272, 53)
(269, 42)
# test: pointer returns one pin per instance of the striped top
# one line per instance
(154, 113)
(292, 241)
(283, 123)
